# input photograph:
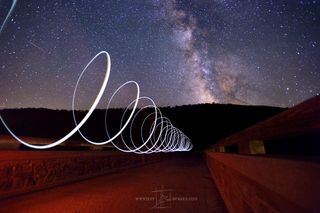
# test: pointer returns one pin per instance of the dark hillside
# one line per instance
(204, 124)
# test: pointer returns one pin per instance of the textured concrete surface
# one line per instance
(266, 184)
(177, 185)
(26, 171)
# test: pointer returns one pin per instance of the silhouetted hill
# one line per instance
(204, 124)
(207, 124)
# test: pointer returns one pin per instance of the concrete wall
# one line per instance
(265, 184)
(26, 171)
(255, 179)
(301, 120)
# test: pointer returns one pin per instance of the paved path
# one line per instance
(182, 185)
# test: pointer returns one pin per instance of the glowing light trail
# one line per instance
(167, 139)
(86, 117)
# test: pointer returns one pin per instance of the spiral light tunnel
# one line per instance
(157, 134)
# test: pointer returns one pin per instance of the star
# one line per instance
(181, 52)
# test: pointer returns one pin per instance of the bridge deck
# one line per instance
(183, 185)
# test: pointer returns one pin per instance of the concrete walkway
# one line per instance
(182, 185)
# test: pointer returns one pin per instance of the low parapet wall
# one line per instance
(265, 184)
(27, 171)
(272, 166)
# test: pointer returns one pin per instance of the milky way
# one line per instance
(180, 52)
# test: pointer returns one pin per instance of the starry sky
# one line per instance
(180, 52)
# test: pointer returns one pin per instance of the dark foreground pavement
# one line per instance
(180, 185)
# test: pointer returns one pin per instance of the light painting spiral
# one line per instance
(157, 135)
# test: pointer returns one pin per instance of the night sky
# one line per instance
(180, 52)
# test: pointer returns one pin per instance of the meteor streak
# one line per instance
(36, 46)
(14, 2)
